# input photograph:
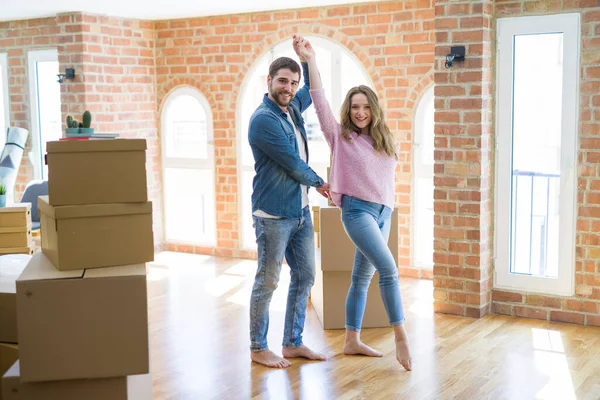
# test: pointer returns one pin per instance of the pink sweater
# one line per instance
(357, 169)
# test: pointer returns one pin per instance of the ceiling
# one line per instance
(152, 9)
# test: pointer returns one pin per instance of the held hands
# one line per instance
(324, 190)
(303, 48)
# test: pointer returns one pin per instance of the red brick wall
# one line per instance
(584, 306)
(463, 202)
(114, 63)
(393, 41)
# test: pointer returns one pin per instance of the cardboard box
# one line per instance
(18, 250)
(15, 236)
(94, 321)
(96, 235)
(328, 298)
(9, 353)
(11, 267)
(15, 216)
(135, 387)
(337, 250)
(97, 171)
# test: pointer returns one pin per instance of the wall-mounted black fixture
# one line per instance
(457, 53)
(69, 74)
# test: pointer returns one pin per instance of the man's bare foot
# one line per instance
(351, 348)
(270, 359)
(403, 354)
(302, 351)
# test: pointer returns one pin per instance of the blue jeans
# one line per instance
(294, 238)
(368, 226)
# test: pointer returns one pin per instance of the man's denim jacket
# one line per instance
(279, 168)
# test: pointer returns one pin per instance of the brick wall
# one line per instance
(584, 306)
(393, 40)
(114, 63)
(463, 202)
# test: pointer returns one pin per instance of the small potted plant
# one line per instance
(3, 190)
(72, 126)
(84, 127)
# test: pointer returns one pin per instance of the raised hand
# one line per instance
(303, 48)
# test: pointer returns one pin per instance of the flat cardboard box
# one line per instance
(30, 249)
(328, 298)
(15, 215)
(134, 387)
(337, 250)
(96, 171)
(15, 236)
(94, 321)
(96, 235)
(9, 353)
(11, 266)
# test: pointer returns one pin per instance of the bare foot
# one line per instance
(403, 354)
(302, 351)
(351, 348)
(270, 359)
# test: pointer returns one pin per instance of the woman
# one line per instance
(364, 158)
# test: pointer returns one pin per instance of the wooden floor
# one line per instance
(199, 339)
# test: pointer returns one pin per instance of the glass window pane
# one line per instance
(189, 205)
(537, 113)
(187, 131)
(49, 107)
(4, 118)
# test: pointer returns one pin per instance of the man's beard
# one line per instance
(276, 97)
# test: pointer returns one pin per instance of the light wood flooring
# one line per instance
(198, 308)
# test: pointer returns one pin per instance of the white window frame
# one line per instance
(419, 172)
(209, 240)
(337, 51)
(5, 96)
(569, 25)
(35, 155)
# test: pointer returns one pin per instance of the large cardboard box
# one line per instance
(135, 387)
(337, 250)
(11, 266)
(96, 171)
(328, 298)
(15, 216)
(81, 324)
(15, 236)
(9, 353)
(96, 235)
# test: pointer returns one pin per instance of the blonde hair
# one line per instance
(383, 139)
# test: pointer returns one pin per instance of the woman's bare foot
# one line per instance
(270, 359)
(302, 351)
(351, 348)
(403, 354)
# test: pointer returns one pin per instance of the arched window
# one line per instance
(423, 183)
(339, 70)
(188, 168)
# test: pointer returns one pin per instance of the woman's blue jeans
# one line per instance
(368, 226)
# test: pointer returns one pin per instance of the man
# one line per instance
(282, 220)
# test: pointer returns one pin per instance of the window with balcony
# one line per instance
(537, 125)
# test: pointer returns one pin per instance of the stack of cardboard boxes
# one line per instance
(82, 312)
(11, 266)
(15, 229)
(334, 273)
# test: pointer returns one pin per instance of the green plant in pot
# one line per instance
(72, 126)
(85, 126)
(3, 190)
